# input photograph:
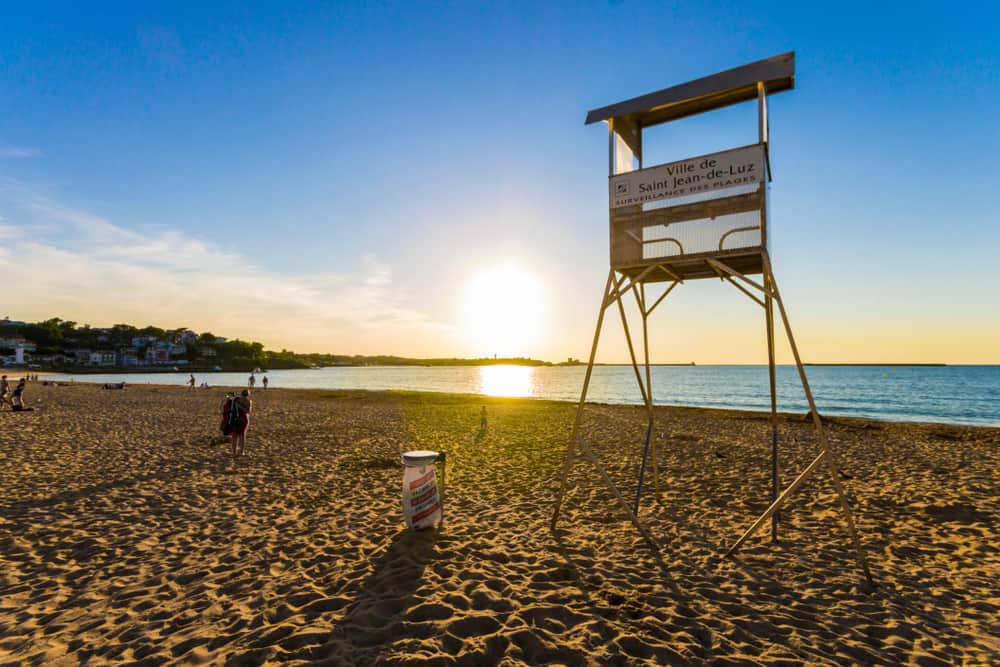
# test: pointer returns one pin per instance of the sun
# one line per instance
(504, 311)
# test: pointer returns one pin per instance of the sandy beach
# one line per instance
(129, 535)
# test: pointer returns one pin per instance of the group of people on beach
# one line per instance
(15, 398)
(251, 381)
(235, 409)
(191, 381)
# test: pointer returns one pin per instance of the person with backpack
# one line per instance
(236, 420)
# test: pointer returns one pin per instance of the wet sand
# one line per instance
(129, 535)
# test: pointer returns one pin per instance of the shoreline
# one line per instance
(113, 370)
(782, 414)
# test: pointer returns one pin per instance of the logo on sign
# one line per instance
(621, 188)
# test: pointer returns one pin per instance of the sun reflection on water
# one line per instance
(506, 380)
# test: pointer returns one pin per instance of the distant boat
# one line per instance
(257, 370)
(217, 368)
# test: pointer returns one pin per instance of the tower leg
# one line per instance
(631, 350)
(650, 443)
(769, 325)
(827, 455)
(571, 445)
(611, 287)
(640, 300)
(831, 458)
(643, 389)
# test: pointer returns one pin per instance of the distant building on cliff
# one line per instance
(157, 355)
(102, 358)
(14, 342)
(126, 357)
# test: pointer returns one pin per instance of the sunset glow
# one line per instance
(506, 380)
(504, 311)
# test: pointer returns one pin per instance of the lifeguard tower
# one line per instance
(703, 217)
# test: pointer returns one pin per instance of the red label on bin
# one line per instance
(422, 498)
(426, 513)
(422, 480)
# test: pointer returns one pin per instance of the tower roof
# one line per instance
(710, 92)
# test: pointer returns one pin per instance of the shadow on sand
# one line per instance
(371, 622)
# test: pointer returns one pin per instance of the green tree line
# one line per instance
(56, 336)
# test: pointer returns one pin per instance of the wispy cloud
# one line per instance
(18, 151)
(80, 266)
(88, 225)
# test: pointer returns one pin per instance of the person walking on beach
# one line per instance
(263, 381)
(4, 390)
(191, 382)
(17, 398)
(243, 406)
(251, 381)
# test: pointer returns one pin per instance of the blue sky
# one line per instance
(331, 178)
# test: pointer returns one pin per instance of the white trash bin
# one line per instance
(422, 502)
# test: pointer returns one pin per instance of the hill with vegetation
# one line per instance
(63, 344)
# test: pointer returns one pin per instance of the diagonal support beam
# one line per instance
(743, 289)
(826, 455)
(662, 297)
(568, 455)
(620, 291)
(716, 264)
(613, 291)
(575, 440)
(777, 504)
(592, 457)
(729, 279)
(831, 459)
(631, 352)
(670, 273)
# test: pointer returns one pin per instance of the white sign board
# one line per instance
(718, 171)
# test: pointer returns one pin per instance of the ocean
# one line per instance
(942, 394)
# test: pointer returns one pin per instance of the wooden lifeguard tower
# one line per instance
(703, 217)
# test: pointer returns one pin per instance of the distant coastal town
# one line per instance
(64, 345)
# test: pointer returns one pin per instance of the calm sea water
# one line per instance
(948, 394)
